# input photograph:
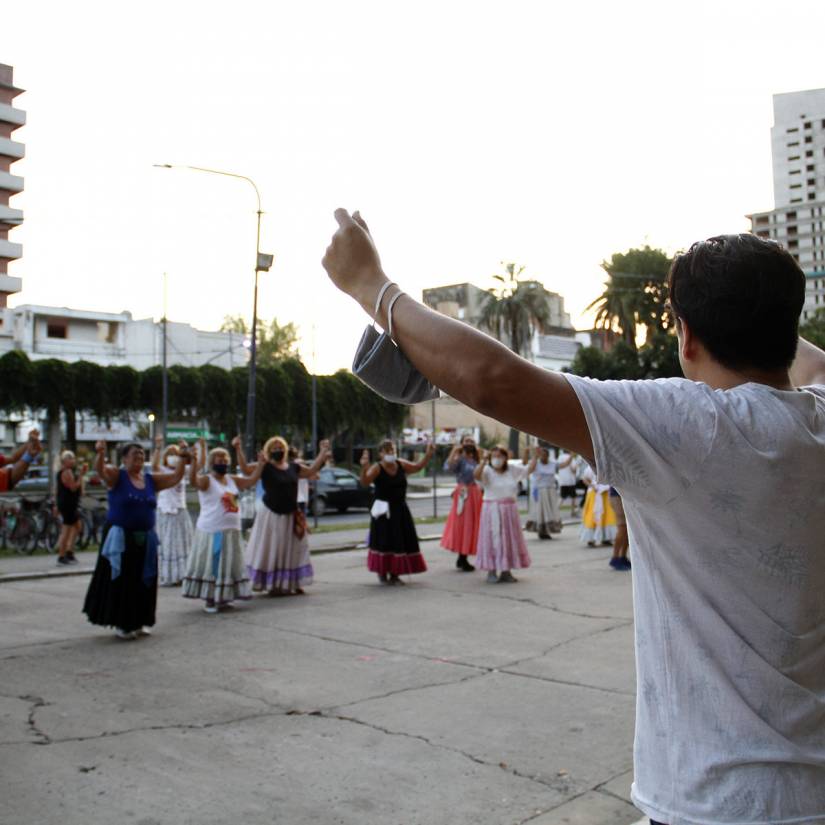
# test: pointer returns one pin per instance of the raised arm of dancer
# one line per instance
(452, 458)
(324, 452)
(106, 471)
(196, 479)
(157, 453)
(418, 466)
(487, 377)
(245, 468)
(809, 365)
(69, 480)
(368, 473)
(165, 480)
(250, 479)
(531, 467)
(31, 443)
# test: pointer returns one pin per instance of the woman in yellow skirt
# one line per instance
(598, 516)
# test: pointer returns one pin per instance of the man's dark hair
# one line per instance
(127, 448)
(741, 296)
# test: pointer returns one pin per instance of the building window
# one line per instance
(790, 216)
(796, 186)
(809, 153)
(762, 220)
(57, 329)
(793, 157)
(795, 172)
(796, 200)
(811, 196)
(792, 230)
(793, 129)
(809, 168)
(808, 139)
(822, 124)
(808, 125)
(811, 181)
(795, 143)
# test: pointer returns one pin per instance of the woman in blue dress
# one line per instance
(123, 590)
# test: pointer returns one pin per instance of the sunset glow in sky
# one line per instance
(467, 133)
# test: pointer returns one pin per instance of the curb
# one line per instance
(8, 578)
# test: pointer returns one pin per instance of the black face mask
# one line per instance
(220, 469)
(277, 455)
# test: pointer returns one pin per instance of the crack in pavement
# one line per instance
(477, 760)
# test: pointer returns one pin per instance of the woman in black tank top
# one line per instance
(69, 490)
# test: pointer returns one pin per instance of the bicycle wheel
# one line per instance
(51, 533)
(84, 535)
(23, 535)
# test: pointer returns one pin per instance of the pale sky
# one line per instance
(467, 133)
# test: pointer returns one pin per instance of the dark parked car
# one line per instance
(338, 489)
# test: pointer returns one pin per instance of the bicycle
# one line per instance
(18, 530)
(92, 521)
(48, 525)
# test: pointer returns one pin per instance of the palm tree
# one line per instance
(513, 312)
(635, 294)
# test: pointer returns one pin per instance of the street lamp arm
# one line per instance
(215, 172)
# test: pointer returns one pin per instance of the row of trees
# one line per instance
(347, 410)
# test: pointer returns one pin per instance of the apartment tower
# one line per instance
(798, 150)
(11, 118)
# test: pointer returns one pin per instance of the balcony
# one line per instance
(68, 350)
(12, 148)
(11, 183)
(8, 114)
(10, 216)
(11, 251)
(9, 284)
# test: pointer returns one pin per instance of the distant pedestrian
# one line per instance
(123, 590)
(501, 546)
(174, 522)
(296, 456)
(461, 530)
(215, 571)
(621, 543)
(393, 542)
(568, 465)
(277, 555)
(543, 484)
(598, 517)
(69, 491)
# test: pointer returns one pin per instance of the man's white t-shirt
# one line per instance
(724, 492)
(567, 475)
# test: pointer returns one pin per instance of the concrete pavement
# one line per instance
(444, 701)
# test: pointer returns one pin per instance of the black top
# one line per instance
(66, 499)
(280, 488)
(391, 488)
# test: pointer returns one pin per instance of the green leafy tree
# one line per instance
(513, 312)
(274, 341)
(813, 329)
(16, 381)
(635, 293)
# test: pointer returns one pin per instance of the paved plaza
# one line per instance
(443, 702)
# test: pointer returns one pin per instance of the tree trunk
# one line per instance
(71, 429)
(54, 449)
(513, 442)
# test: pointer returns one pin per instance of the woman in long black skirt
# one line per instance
(393, 541)
(123, 590)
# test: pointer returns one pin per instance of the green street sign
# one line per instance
(193, 433)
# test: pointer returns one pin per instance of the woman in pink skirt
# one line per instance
(501, 544)
(461, 530)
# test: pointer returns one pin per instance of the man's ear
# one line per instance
(687, 341)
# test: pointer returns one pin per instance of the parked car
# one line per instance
(339, 489)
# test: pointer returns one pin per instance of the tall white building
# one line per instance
(798, 151)
(11, 118)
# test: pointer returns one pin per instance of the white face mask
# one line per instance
(173, 460)
(497, 462)
(389, 458)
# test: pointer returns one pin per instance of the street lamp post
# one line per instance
(263, 262)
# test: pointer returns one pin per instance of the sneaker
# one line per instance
(210, 608)
(492, 578)
(145, 631)
(126, 635)
(383, 578)
(71, 557)
(63, 560)
(463, 564)
(506, 577)
(626, 563)
(396, 580)
(616, 563)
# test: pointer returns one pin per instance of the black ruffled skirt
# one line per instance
(129, 601)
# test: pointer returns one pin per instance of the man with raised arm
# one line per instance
(722, 475)
(14, 467)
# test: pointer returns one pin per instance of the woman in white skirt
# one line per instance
(174, 525)
(544, 495)
(277, 555)
(501, 545)
(215, 572)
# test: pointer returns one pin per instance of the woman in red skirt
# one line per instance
(461, 530)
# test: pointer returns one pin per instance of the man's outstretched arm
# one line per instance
(463, 362)
(809, 365)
